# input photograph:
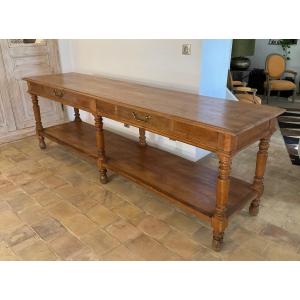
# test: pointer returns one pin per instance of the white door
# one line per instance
(27, 58)
(7, 121)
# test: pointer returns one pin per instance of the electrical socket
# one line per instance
(186, 49)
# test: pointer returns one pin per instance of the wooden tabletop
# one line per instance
(232, 117)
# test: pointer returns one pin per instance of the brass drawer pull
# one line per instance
(139, 119)
(58, 93)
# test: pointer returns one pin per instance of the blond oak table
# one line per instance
(221, 126)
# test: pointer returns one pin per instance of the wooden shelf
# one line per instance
(188, 184)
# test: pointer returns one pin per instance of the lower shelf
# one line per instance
(189, 184)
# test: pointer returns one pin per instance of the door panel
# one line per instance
(27, 59)
(7, 121)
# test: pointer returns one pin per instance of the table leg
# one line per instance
(142, 138)
(100, 147)
(38, 121)
(77, 115)
(219, 220)
(258, 182)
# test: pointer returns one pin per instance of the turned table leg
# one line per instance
(38, 121)
(258, 182)
(219, 220)
(77, 115)
(100, 147)
(142, 137)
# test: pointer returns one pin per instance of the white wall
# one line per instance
(216, 56)
(153, 62)
(263, 49)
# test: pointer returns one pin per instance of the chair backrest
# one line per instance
(275, 65)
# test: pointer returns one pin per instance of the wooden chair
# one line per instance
(241, 91)
(275, 67)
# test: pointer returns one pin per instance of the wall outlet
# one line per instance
(186, 49)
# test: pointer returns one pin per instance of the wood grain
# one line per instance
(227, 116)
(192, 184)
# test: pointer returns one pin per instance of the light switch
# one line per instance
(186, 49)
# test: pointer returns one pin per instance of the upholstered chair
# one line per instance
(241, 91)
(275, 68)
(246, 94)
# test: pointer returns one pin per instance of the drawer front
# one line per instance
(65, 97)
(142, 119)
(201, 137)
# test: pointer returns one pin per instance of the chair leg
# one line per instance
(268, 95)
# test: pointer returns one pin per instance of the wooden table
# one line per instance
(221, 126)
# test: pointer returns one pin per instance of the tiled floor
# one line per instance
(53, 208)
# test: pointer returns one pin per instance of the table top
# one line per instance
(229, 116)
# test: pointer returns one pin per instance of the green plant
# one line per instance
(286, 45)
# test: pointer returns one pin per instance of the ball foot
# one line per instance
(253, 210)
(42, 144)
(103, 177)
(217, 242)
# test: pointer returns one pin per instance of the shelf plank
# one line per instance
(188, 184)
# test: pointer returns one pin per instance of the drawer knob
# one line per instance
(58, 93)
(141, 119)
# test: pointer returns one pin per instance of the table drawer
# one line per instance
(65, 97)
(142, 119)
(195, 135)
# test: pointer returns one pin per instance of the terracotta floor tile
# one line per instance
(279, 234)
(46, 197)
(123, 231)
(7, 188)
(92, 190)
(53, 182)
(4, 206)
(79, 224)
(6, 164)
(102, 215)
(32, 187)
(248, 240)
(66, 245)
(205, 254)
(121, 253)
(86, 254)
(242, 254)
(19, 235)
(4, 182)
(112, 200)
(85, 204)
(149, 249)
(183, 223)
(74, 179)
(154, 227)
(9, 220)
(33, 214)
(38, 250)
(159, 209)
(62, 210)
(20, 201)
(203, 236)
(49, 229)
(281, 252)
(6, 253)
(127, 211)
(69, 193)
(180, 244)
(100, 241)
